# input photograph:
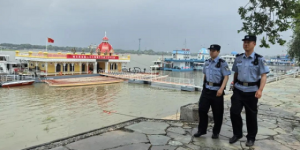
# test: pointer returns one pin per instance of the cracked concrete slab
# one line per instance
(216, 144)
(158, 139)
(267, 124)
(280, 131)
(149, 127)
(59, 148)
(175, 143)
(163, 147)
(296, 133)
(266, 131)
(108, 140)
(176, 130)
(181, 148)
(288, 140)
(266, 145)
(174, 124)
(181, 138)
(139, 146)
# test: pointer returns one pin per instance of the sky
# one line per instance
(162, 25)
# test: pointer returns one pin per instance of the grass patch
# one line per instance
(49, 119)
(47, 128)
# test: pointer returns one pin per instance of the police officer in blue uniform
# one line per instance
(249, 80)
(216, 74)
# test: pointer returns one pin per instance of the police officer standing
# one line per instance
(216, 74)
(249, 80)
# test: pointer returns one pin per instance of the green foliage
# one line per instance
(270, 17)
(294, 45)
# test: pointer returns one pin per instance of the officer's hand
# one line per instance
(258, 94)
(219, 93)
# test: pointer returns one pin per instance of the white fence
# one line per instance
(277, 78)
(6, 78)
(173, 80)
(151, 77)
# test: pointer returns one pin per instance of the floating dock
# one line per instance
(155, 80)
(82, 81)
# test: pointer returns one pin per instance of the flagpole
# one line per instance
(46, 44)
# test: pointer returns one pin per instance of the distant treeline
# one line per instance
(10, 46)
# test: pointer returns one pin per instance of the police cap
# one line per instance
(215, 47)
(249, 38)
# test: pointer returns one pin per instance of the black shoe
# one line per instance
(215, 136)
(250, 143)
(198, 134)
(234, 139)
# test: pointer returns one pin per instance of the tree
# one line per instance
(294, 45)
(74, 50)
(270, 17)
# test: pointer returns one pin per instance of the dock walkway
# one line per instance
(155, 80)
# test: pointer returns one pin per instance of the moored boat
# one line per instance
(17, 83)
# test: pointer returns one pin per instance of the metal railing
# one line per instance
(173, 80)
(151, 77)
(8, 78)
(277, 78)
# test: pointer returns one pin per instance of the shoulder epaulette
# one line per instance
(257, 55)
(221, 60)
(237, 55)
(206, 60)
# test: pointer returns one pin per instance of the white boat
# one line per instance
(17, 83)
(7, 66)
(198, 66)
(157, 65)
(203, 54)
(229, 59)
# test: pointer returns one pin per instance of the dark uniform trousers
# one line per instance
(248, 100)
(208, 98)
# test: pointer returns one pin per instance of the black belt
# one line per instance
(213, 84)
(247, 83)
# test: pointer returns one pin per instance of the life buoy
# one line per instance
(60, 73)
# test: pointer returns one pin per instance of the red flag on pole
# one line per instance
(50, 40)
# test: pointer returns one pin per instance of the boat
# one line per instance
(281, 60)
(202, 55)
(198, 66)
(157, 65)
(229, 59)
(17, 83)
(180, 62)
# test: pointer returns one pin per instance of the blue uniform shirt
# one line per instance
(214, 74)
(248, 72)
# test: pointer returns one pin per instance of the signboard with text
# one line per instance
(91, 57)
